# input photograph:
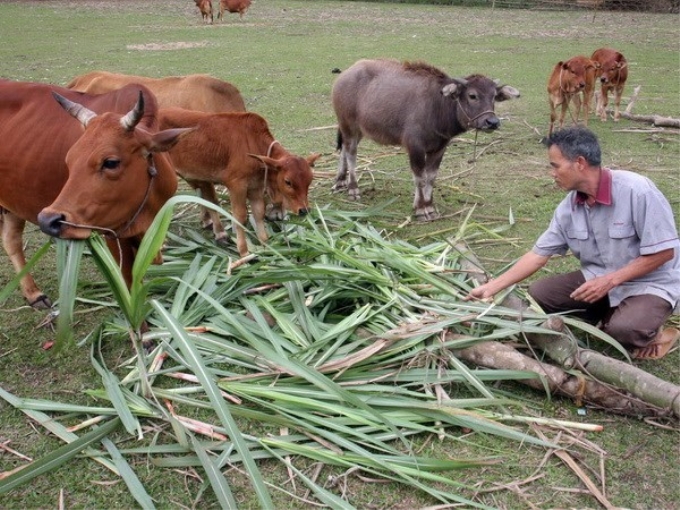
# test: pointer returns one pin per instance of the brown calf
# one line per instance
(240, 6)
(567, 81)
(612, 72)
(238, 151)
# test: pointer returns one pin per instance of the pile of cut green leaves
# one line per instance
(333, 345)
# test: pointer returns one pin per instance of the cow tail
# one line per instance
(338, 144)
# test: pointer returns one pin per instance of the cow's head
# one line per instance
(476, 96)
(575, 74)
(117, 180)
(288, 180)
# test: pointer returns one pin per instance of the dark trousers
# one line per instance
(635, 322)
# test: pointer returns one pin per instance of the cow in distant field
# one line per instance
(205, 6)
(240, 6)
(197, 92)
(104, 170)
(612, 71)
(566, 83)
(238, 151)
(416, 106)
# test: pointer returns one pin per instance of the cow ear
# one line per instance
(563, 65)
(311, 159)
(268, 162)
(165, 140)
(506, 92)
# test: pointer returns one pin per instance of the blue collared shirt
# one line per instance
(630, 218)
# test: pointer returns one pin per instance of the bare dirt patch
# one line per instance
(166, 46)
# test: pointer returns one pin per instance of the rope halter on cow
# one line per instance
(266, 167)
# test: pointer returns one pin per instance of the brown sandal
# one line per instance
(659, 347)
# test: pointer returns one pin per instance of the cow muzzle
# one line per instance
(51, 223)
(491, 123)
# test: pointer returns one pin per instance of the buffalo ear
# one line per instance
(506, 92)
(453, 89)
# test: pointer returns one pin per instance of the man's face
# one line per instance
(564, 172)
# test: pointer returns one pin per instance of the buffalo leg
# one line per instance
(346, 177)
(12, 228)
(425, 167)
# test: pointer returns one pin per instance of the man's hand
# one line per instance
(483, 293)
(593, 290)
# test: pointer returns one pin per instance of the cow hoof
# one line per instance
(354, 194)
(42, 302)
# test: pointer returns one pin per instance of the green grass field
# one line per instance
(280, 56)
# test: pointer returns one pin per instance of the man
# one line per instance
(621, 229)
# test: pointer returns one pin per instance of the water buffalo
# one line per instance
(414, 105)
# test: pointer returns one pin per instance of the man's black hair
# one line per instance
(576, 141)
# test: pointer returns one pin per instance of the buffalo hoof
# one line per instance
(427, 214)
(42, 302)
(354, 194)
(340, 186)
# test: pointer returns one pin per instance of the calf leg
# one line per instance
(12, 228)
(257, 206)
(603, 102)
(239, 209)
(210, 218)
(618, 92)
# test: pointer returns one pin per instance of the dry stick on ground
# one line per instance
(655, 120)
(605, 382)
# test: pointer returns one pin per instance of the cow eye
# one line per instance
(111, 164)
(472, 95)
(289, 183)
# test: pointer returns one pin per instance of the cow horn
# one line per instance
(84, 115)
(133, 117)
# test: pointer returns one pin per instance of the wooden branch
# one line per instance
(655, 120)
(586, 376)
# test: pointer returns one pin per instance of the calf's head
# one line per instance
(476, 96)
(613, 71)
(115, 182)
(575, 74)
(288, 180)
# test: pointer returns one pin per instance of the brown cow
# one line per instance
(110, 176)
(197, 92)
(238, 150)
(240, 6)
(612, 72)
(205, 6)
(566, 83)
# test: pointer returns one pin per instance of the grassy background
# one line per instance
(280, 56)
